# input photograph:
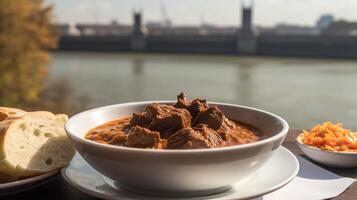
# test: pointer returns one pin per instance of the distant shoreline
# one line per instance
(305, 46)
(194, 55)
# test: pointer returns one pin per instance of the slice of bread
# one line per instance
(34, 143)
(6, 112)
(62, 118)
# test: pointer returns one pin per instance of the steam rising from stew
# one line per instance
(184, 125)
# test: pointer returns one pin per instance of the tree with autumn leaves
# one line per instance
(26, 35)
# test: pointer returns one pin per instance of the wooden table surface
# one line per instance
(57, 188)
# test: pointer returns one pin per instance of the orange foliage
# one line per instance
(26, 34)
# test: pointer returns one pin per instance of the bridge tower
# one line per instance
(247, 40)
(138, 34)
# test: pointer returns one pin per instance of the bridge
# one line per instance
(244, 42)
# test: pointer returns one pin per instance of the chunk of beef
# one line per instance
(216, 120)
(140, 119)
(194, 107)
(187, 138)
(210, 135)
(143, 138)
(182, 101)
(197, 106)
(119, 139)
(212, 117)
(167, 119)
(225, 131)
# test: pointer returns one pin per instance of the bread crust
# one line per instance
(6, 112)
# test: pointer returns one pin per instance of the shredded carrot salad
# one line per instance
(332, 137)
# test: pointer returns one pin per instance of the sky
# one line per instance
(196, 12)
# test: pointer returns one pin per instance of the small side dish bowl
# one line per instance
(328, 158)
(179, 172)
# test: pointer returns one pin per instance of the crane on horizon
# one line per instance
(166, 22)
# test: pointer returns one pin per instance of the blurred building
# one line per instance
(341, 28)
(247, 40)
(138, 33)
(68, 30)
(288, 29)
(324, 21)
(204, 29)
(95, 29)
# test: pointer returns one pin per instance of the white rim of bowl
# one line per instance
(298, 140)
(282, 133)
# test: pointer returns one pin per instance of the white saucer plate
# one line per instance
(277, 172)
(26, 184)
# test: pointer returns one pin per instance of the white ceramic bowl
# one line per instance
(178, 172)
(328, 158)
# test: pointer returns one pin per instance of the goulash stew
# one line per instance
(184, 125)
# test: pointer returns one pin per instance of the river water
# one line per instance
(303, 91)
